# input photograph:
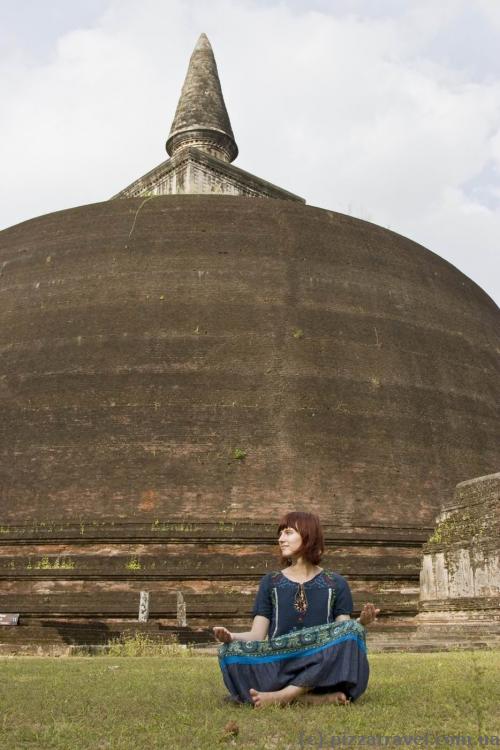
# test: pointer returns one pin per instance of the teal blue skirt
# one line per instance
(323, 658)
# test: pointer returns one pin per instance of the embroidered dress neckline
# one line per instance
(302, 583)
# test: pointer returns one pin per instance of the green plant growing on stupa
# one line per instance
(53, 564)
(133, 564)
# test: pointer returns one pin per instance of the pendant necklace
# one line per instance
(300, 601)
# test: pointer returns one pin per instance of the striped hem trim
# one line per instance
(329, 606)
(276, 609)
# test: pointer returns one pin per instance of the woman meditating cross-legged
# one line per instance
(314, 653)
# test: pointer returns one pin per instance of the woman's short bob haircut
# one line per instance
(309, 527)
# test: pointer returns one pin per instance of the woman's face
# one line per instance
(290, 542)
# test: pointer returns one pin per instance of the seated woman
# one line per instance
(315, 652)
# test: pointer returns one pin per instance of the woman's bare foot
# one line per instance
(282, 697)
(261, 699)
(339, 699)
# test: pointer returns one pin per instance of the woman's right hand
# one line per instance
(223, 635)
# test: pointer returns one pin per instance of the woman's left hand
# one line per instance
(222, 634)
(368, 614)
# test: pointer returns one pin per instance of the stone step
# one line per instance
(63, 562)
(159, 530)
(51, 634)
(164, 604)
(33, 634)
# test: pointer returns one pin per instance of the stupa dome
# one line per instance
(143, 343)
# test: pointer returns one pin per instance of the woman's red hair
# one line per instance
(309, 527)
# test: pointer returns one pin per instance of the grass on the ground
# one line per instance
(176, 702)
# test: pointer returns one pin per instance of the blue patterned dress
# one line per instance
(305, 646)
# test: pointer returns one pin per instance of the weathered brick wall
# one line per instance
(96, 570)
(461, 560)
(143, 343)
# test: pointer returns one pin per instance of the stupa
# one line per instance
(183, 363)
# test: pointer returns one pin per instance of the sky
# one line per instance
(388, 111)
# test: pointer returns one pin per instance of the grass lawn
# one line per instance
(176, 702)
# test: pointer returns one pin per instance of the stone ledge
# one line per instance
(463, 603)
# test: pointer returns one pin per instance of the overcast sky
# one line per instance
(388, 110)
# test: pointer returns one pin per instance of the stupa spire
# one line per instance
(201, 118)
(201, 144)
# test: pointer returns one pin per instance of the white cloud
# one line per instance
(380, 114)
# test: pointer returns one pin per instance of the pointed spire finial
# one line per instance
(201, 118)
(203, 42)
